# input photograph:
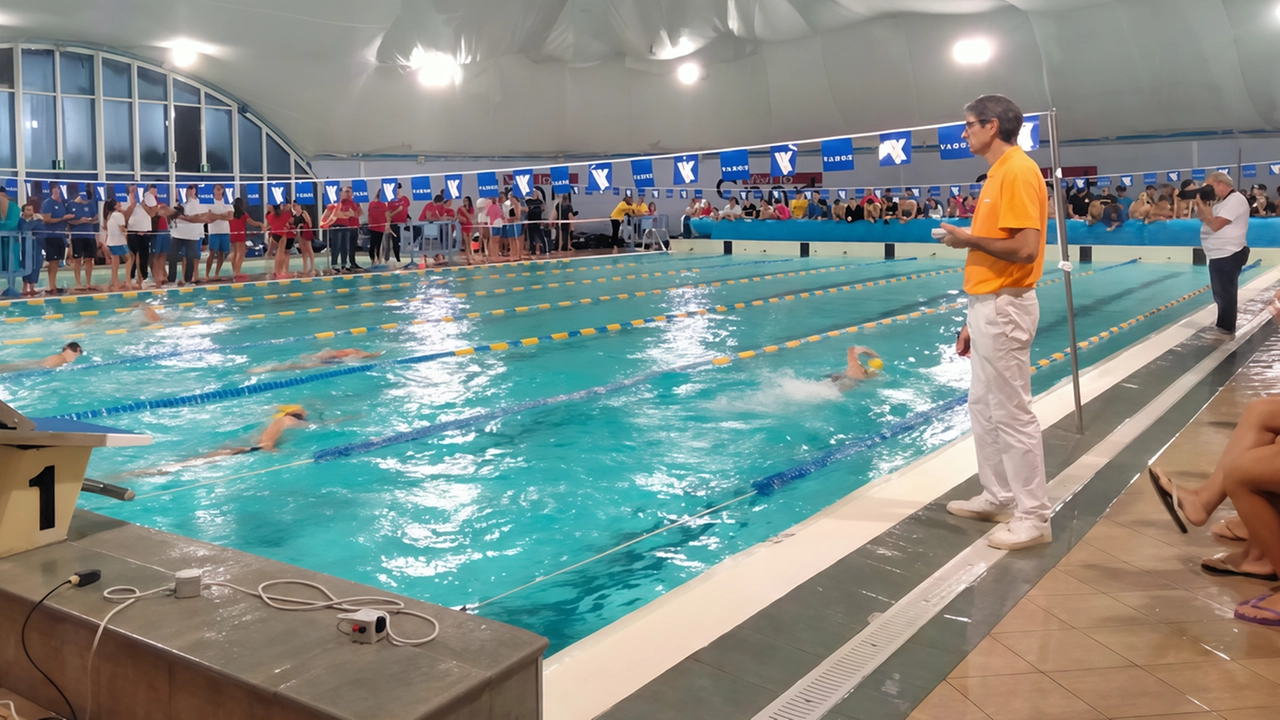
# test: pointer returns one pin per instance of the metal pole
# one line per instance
(1060, 212)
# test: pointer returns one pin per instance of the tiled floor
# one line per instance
(1127, 625)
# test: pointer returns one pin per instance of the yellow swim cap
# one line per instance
(876, 363)
(282, 410)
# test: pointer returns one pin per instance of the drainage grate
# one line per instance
(838, 675)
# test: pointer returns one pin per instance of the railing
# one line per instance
(20, 257)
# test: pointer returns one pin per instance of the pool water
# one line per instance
(525, 461)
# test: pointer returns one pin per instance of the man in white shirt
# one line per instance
(219, 212)
(733, 210)
(139, 227)
(1223, 228)
(187, 232)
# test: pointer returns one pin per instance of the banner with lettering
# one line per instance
(951, 143)
(782, 159)
(488, 184)
(420, 188)
(304, 191)
(685, 171)
(837, 154)
(560, 179)
(735, 165)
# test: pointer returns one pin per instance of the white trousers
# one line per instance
(1006, 432)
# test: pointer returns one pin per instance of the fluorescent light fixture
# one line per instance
(435, 69)
(183, 53)
(689, 73)
(974, 51)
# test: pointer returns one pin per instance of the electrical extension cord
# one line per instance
(13, 711)
(188, 580)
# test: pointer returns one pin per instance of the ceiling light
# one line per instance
(435, 69)
(183, 53)
(972, 52)
(689, 73)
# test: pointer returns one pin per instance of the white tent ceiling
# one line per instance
(549, 77)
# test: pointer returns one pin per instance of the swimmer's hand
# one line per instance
(962, 343)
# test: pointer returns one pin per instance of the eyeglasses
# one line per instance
(968, 124)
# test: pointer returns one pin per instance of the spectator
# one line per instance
(732, 211)
(196, 213)
(493, 226)
(1259, 204)
(343, 219)
(139, 227)
(378, 218)
(514, 229)
(706, 210)
(535, 206)
(934, 209)
(447, 216)
(1141, 206)
(909, 208)
(29, 222)
(781, 211)
(399, 211)
(1182, 209)
(1006, 251)
(823, 212)
(890, 208)
(1223, 227)
(953, 206)
(84, 239)
(564, 225)
(185, 233)
(799, 206)
(219, 213)
(1162, 209)
(1079, 200)
(55, 214)
(749, 209)
(117, 241)
(160, 240)
(280, 243)
(303, 232)
(872, 208)
(467, 220)
(1122, 198)
(619, 215)
(239, 223)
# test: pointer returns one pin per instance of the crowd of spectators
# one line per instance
(886, 206)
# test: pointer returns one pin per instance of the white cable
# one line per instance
(390, 606)
(130, 596)
(13, 711)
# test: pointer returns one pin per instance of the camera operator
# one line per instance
(1224, 218)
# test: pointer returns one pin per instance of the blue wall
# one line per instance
(1263, 232)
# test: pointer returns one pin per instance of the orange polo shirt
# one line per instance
(1012, 199)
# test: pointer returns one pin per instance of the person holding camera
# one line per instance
(1224, 216)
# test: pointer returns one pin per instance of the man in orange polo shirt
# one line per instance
(1006, 244)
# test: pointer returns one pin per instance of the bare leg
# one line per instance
(1252, 480)
(52, 270)
(1259, 426)
(1248, 559)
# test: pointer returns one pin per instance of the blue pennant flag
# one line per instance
(1249, 171)
(601, 176)
(735, 165)
(99, 189)
(277, 193)
(684, 194)
(1103, 181)
(304, 191)
(975, 189)
(782, 160)
(1198, 174)
(1174, 176)
(951, 143)
(488, 182)
(859, 193)
(842, 193)
(162, 194)
(759, 194)
(252, 193)
(697, 193)
(389, 186)
(204, 191)
(895, 148)
(655, 193)
(642, 172)
(935, 191)
(670, 192)
(685, 171)
(577, 190)
(837, 154)
(11, 187)
(1275, 168)
(560, 179)
(1081, 183)
(616, 190)
(420, 187)
(1126, 180)
(825, 194)
(360, 191)
(1226, 170)
(1029, 136)
(522, 183)
(955, 191)
(1149, 179)
(332, 192)
(453, 186)
(742, 194)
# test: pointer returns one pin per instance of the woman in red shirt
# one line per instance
(239, 222)
(378, 210)
(280, 225)
(467, 219)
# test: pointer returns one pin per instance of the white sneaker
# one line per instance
(1021, 534)
(980, 508)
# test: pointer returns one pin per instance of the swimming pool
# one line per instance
(459, 473)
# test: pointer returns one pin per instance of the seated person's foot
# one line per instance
(1239, 563)
(1263, 610)
(1188, 502)
(1232, 529)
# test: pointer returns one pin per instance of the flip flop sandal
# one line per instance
(1223, 531)
(1254, 604)
(1217, 565)
(1168, 499)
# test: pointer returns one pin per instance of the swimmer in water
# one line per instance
(320, 359)
(855, 372)
(69, 354)
(149, 312)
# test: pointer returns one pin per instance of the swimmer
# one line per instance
(855, 372)
(149, 312)
(438, 259)
(69, 354)
(320, 359)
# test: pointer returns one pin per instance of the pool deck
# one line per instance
(738, 639)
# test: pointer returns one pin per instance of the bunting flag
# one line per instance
(488, 184)
(895, 148)
(332, 192)
(697, 193)
(1029, 136)
(559, 180)
(735, 165)
(99, 190)
(1126, 180)
(935, 191)
(616, 190)
(389, 187)
(684, 194)
(252, 193)
(360, 190)
(1226, 170)
(420, 188)
(304, 191)
(600, 176)
(453, 186)
(1198, 174)
(842, 193)
(975, 189)
(951, 143)
(782, 160)
(1249, 171)
(955, 191)
(685, 171)
(1174, 176)
(1103, 181)
(837, 154)
(277, 193)
(204, 191)
(642, 172)
(522, 183)
(1149, 179)
(1275, 168)
(670, 193)
(162, 194)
